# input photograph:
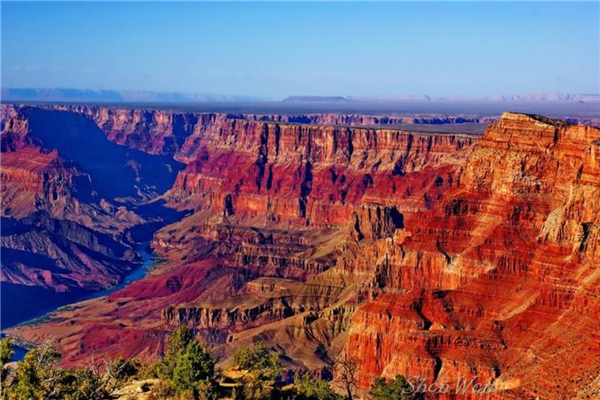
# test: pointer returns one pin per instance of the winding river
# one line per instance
(148, 260)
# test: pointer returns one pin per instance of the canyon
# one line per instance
(433, 255)
(74, 205)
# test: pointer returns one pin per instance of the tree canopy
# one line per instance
(309, 388)
(195, 366)
(395, 389)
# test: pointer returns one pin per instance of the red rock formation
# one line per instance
(60, 236)
(315, 173)
(434, 256)
(155, 132)
(37, 178)
(30, 177)
(60, 255)
(510, 266)
(284, 212)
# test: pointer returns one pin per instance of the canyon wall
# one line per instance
(70, 199)
(439, 256)
(491, 282)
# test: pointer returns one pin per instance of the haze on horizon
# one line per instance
(274, 50)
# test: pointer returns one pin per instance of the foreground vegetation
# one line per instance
(187, 372)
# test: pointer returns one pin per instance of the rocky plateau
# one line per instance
(434, 255)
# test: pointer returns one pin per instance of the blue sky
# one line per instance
(280, 49)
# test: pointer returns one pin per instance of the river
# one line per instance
(148, 260)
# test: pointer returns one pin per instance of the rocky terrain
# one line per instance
(70, 202)
(441, 256)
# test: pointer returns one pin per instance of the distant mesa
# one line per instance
(315, 99)
(533, 97)
(393, 98)
(547, 97)
(65, 95)
(113, 96)
(59, 94)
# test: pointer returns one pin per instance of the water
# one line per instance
(41, 305)
(19, 352)
(138, 273)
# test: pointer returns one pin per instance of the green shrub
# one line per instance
(39, 376)
(264, 370)
(6, 353)
(259, 359)
(309, 388)
(396, 389)
(192, 367)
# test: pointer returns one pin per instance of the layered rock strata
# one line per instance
(438, 256)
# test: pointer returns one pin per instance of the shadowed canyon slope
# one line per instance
(431, 255)
(70, 199)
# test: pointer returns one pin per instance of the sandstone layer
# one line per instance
(71, 208)
(440, 256)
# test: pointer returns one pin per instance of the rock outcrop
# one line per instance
(439, 256)
(510, 260)
(71, 199)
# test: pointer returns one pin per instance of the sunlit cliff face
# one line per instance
(440, 256)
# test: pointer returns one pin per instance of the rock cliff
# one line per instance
(492, 280)
(440, 256)
(70, 199)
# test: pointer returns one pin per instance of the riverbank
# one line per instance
(148, 261)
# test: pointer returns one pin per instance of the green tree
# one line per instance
(37, 376)
(178, 344)
(264, 370)
(259, 359)
(179, 341)
(396, 389)
(194, 367)
(6, 353)
(164, 369)
(309, 388)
